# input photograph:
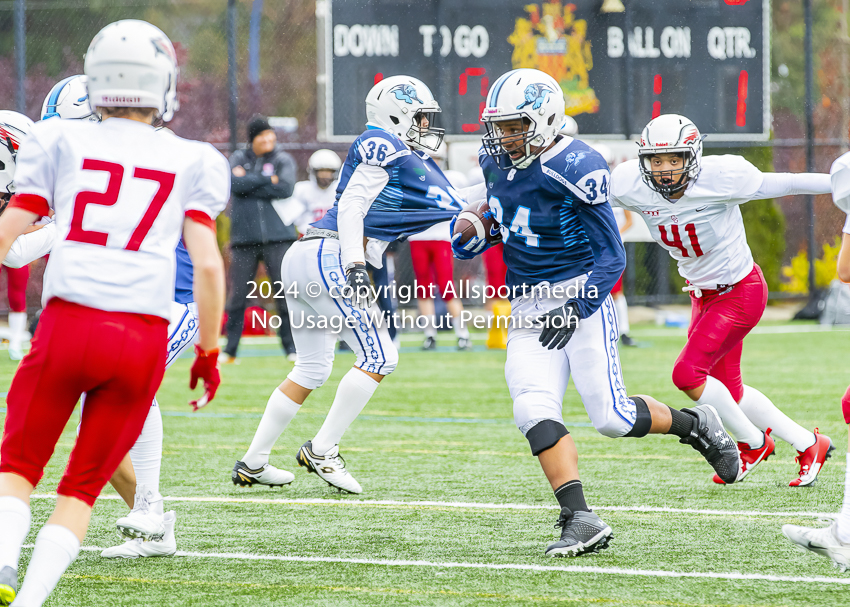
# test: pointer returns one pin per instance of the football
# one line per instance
(476, 220)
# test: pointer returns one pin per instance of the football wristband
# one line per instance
(211, 352)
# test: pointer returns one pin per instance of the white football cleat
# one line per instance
(16, 352)
(144, 520)
(139, 548)
(823, 541)
(330, 467)
(244, 476)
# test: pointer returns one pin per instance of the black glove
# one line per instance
(358, 287)
(559, 325)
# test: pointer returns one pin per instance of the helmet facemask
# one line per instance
(527, 144)
(423, 134)
(6, 142)
(668, 183)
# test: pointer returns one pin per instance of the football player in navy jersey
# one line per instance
(389, 188)
(549, 193)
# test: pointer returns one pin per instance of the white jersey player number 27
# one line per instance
(164, 181)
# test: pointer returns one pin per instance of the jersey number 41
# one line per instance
(674, 241)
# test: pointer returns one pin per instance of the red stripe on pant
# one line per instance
(117, 359)
(18, 278)
(719, 324)
(436, 255)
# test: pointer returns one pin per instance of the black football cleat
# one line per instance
(628, 341)
(430, 343)
(581, 533)
(714, 444)
(244, 476)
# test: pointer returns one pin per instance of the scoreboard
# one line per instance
(706, 59)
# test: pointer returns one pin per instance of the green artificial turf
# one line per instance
(440, 430)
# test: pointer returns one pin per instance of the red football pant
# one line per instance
(494, 266)
(719, 324)
(433, 255)
(117, 359)
(18, 278)
(618, 288)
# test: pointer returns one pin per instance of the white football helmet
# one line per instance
(69, 100)
(670, 134)
(533, 97)
(131, 63)
(570, 127)
(405, 107)
(323, 160)
(13, 128)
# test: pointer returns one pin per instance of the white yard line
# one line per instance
(652, 573)
(462, 505)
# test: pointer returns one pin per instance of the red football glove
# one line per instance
(205, 367)
(845, 406)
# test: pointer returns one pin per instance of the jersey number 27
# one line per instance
(110, 197)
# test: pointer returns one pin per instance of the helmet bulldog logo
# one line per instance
(535, 95)
(406, 93)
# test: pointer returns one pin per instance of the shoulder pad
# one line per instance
(377, 147)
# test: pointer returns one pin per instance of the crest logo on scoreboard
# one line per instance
(552, 40)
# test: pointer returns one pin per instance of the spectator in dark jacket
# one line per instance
(261, 173)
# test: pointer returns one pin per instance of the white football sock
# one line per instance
(280, 410)
(146, 454)
(461, 332)
(741, 428)
(763, 413)
(622, 308)
(352, 394)
(56, 547)
(15, 523)
(844, 515)
(17, 328)
(431, 327)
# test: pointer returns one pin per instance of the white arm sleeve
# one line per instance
(29, 247)
(846, 229)
(363, 188)
(475, 193)
(775, 185)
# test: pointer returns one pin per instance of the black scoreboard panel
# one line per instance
(706, 59)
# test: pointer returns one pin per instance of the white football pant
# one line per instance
(537, 377)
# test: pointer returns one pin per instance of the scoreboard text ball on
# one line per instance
(705, 59)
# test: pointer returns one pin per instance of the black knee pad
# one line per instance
(643, 420)
(545, 435)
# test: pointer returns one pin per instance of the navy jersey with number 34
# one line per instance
(556, 220)
(416, 197)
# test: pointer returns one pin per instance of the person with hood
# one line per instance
(262, 173)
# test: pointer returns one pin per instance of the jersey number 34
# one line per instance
(520, 224)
